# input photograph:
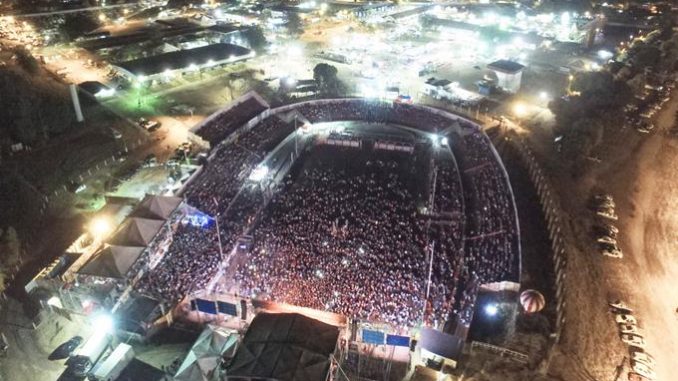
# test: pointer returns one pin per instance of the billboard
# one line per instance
(227, 308)
(373, 337)
(398, 341)
(207, 306)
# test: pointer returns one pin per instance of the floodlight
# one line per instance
(103, 322)
(54, 301)
(99, 227)
(604, 54)
(519, 109)
(259, 173)
(491, 309)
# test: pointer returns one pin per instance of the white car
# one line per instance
(621, 306)
(609, 214)
(643, 369)
(630, 329)
(643, 357)
(607, 239)
(610, 250)
(625, 319)
(633, 340)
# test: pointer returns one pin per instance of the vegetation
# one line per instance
(10, 253)
(256, 39)
(33, 107)
(326, 79)
(595, 105)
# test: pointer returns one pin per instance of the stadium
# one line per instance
(395, 223)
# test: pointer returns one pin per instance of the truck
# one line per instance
(111, 368)
(86, 357)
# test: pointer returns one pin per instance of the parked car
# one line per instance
(65, 349)
(643, 369)
(625, 319)
(610, 250)
(629, 329)
(620, 306)
(643, 357)
(633, 340)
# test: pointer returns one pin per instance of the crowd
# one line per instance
(344, 233)
(344, 236)
(230, 120)
(492, 236)
(193, 255)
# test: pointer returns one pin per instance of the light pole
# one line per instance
(221, 249)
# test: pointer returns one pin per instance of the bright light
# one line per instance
(102, 17)
(444, 141)
(491, 309)
(99, 227)
(565, 18)
(604, 54)
(519, 109)
(259, 173)
(168, 73)
(295, 51)
(54, 301)
(103, 322)
(544, 95)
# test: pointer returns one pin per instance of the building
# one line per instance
(509, 74)
(167, 65)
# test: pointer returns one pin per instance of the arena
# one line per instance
(378, 211)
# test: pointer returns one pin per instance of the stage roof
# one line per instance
(136, 232)
(285, 347)
(156, 207)
(506, 66)
(182, 59)
(112, 261)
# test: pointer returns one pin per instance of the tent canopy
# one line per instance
(156, 207)
(136, 232)
(202, 361)
(286, 347)
(112, 261)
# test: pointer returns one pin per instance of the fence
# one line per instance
(552, 213)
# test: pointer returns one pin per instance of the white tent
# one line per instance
(202, 361)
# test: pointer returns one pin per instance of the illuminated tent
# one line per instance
(156, 207)
(285, 347)
(112, 261)
(136, 232)
(202, 361)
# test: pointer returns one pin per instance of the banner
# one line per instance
(373, 337)
(398, 341)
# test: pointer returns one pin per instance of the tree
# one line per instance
(256, 39)
(294, 24)
(644, 55)
(325, 77)
(77, 24)
(26, 60)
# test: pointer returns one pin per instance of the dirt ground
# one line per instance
(639, 172)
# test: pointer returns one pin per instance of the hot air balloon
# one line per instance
(532, 301)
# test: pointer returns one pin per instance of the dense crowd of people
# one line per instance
(344, 236)
(492, 233)
(230, 120)
(345, 233)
